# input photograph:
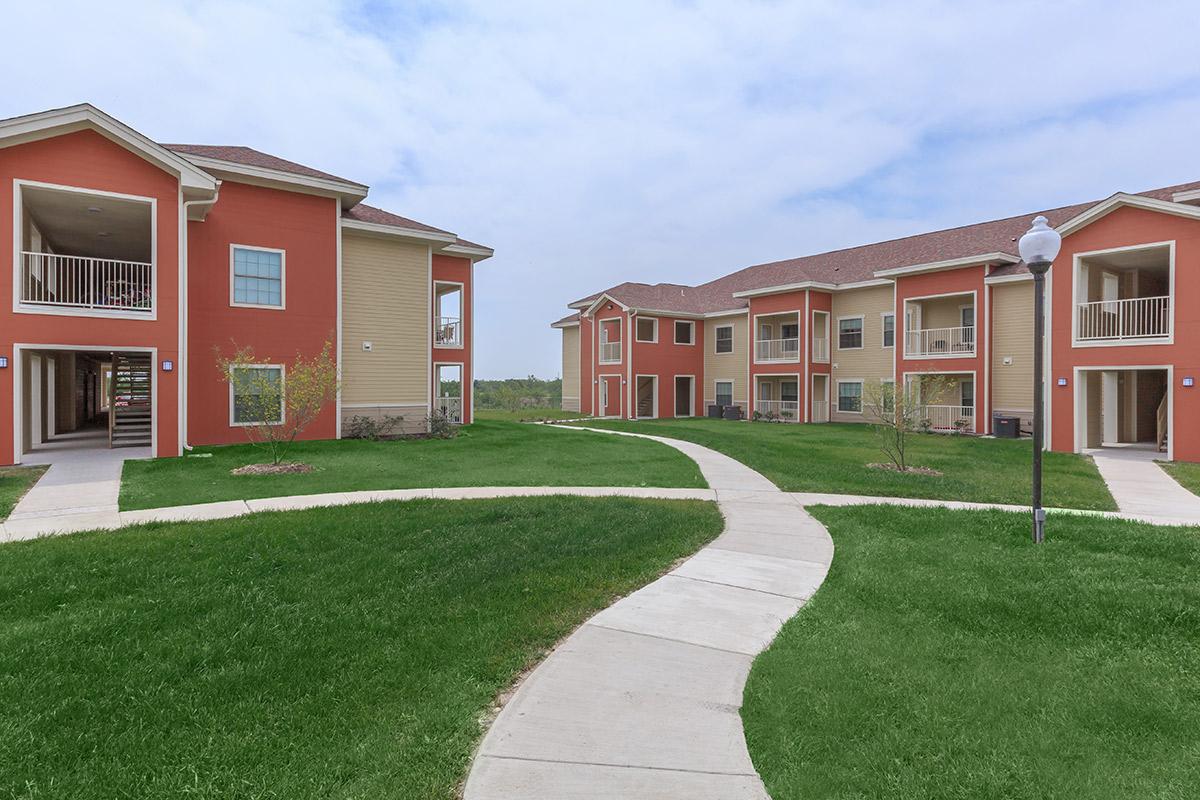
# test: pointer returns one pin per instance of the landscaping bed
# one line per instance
(945, 656)
(836, 458)
(346, 652)
(488, 453)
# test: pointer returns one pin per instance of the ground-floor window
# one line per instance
(789, 391)
(887, 395)
(967, 389)
(256, 394)
(850, 396)
(724, 393)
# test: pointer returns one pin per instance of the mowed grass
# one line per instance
(488, 453)
(14, 483)
(1186, 473)
(332, 653)
(833, 458)
(947, 657)
(526, 414)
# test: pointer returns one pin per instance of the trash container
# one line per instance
(733, 412)
(716, 411)
(1006, 427)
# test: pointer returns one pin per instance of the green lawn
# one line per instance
(333, 653)
(488, 453)
(14, 483)
(525, 414)
(1186, 473)
(947, 657)
(834, 458)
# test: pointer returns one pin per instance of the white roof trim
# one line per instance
(822, 285)
(351, 193)
(570, 323)
(732, 312)
(1186, 197)
(59, 121)
(1120, 199)
(953, 263)
(393, 230)
(658, 312)
(1017, 277)
(604, 296)
(466, 250)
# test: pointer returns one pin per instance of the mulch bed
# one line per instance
(286, 468)
(909, 471)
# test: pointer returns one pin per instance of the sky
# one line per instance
(593, 143)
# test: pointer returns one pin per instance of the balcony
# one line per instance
(771, 350)
(451, 407)
(945, 419)
(820, 411)
(820, 351)
(940, 342)
(785, 410)
(610, 352)
(81, 282)
(1130, 318)
(448, 332)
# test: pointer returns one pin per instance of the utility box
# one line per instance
(1006, 427)
(733, 412)
(716, 411)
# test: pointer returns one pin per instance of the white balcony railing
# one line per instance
(940, 342)
(952, 419)
(820, 349)
(1132, 318)
(610, 352)
(777, 349)
(448, 332)
(820, 411)
(786, 410)
(81, 282)
(451, 407)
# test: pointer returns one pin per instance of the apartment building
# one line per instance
(134, 261)
(948, 314)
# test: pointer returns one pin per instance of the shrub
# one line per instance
(372, 428)
(441, 426)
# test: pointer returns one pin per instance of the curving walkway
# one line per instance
(643, 700)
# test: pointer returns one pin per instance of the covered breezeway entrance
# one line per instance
(68, 400)
(1123, 409)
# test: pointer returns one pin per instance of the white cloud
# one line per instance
(597, 142)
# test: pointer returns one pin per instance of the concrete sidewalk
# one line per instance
(1141, 487)
(644, 699)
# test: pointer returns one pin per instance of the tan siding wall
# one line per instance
(1012, 338)
(386, 301)
(570, 369)
(874, 362)
(943, 312)
(727, 366)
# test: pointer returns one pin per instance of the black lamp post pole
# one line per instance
(1039, 394)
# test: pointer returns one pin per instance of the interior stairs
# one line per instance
(130, 415)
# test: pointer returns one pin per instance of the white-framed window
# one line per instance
(789, 391)
(967, 393)
(889, 329)
(724, 392)
(887, 392)
(685, 332)
(256, 276)
(646, 329)
(967, 315)
(849, 399)
(723, 340)
(850, 333)
(256, 394)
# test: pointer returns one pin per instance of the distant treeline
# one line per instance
(513, 394)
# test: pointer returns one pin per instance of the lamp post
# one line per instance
(1038, 248)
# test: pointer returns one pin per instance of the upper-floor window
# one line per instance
(257, 277)
(850, 333)
(889, 330)
(647, 329)
(967, 316)
(685, 332)
(724, 339)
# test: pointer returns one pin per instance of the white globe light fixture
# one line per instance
(1039, 247)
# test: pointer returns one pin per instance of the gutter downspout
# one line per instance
(184, 366)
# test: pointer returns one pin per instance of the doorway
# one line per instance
(685, 396)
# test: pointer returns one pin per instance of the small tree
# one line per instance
(896, 413)
(277, 407)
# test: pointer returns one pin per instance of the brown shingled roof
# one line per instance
(252, 158)
(854, 264)
(377, 216)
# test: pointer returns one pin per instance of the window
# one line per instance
(850, 333)
(889, 330)
(887, 393)
(724, 393)
(647, 329)
(791, 337)
(789, 392)
(724, 339)
(967, 390)
(257, 278)
(256, 394)
(850, 396)
(684, 332)
(967, 314)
